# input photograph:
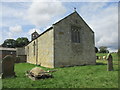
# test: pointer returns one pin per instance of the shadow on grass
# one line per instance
(101, 64)
(116, 70)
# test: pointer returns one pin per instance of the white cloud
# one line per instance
(102, 18)
(104, 22)
(41, 13)
(15, 29)
(13, 32)
(112, 50)
(8, 12)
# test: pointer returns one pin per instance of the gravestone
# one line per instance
(8, 66)
(110, 62)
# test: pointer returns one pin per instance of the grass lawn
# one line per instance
(91, 76)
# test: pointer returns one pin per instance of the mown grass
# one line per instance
(91, 76)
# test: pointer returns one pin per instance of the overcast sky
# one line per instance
(20, 19)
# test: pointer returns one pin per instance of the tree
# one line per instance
(103, 49)
(96, 50)
(107, 51)
(10, 43)
(20, 42)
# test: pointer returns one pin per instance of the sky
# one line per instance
(20, 19)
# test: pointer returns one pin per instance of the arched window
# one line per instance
(75, 35)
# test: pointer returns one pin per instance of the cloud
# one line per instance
(103, 19)
(91, 8)
(12, 32)
(12, 13)
(41, 13)
(8, 11)
(15, 29)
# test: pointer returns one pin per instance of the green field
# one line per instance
(91, 76)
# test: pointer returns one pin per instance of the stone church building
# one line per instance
(68, 42)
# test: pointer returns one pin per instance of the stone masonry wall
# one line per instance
(68, 53)
(31, 58)
(20, 51)
(44, 53)
(45, 49)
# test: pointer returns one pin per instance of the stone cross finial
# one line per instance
(74, 8)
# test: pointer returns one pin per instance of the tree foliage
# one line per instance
(19, 42)
(10, 43)
(103, 49)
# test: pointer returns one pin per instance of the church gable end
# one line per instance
(75, 45)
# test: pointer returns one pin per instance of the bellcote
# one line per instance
(34, 35)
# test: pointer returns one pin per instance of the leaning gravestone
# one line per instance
(110, 62)
(8, 66)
